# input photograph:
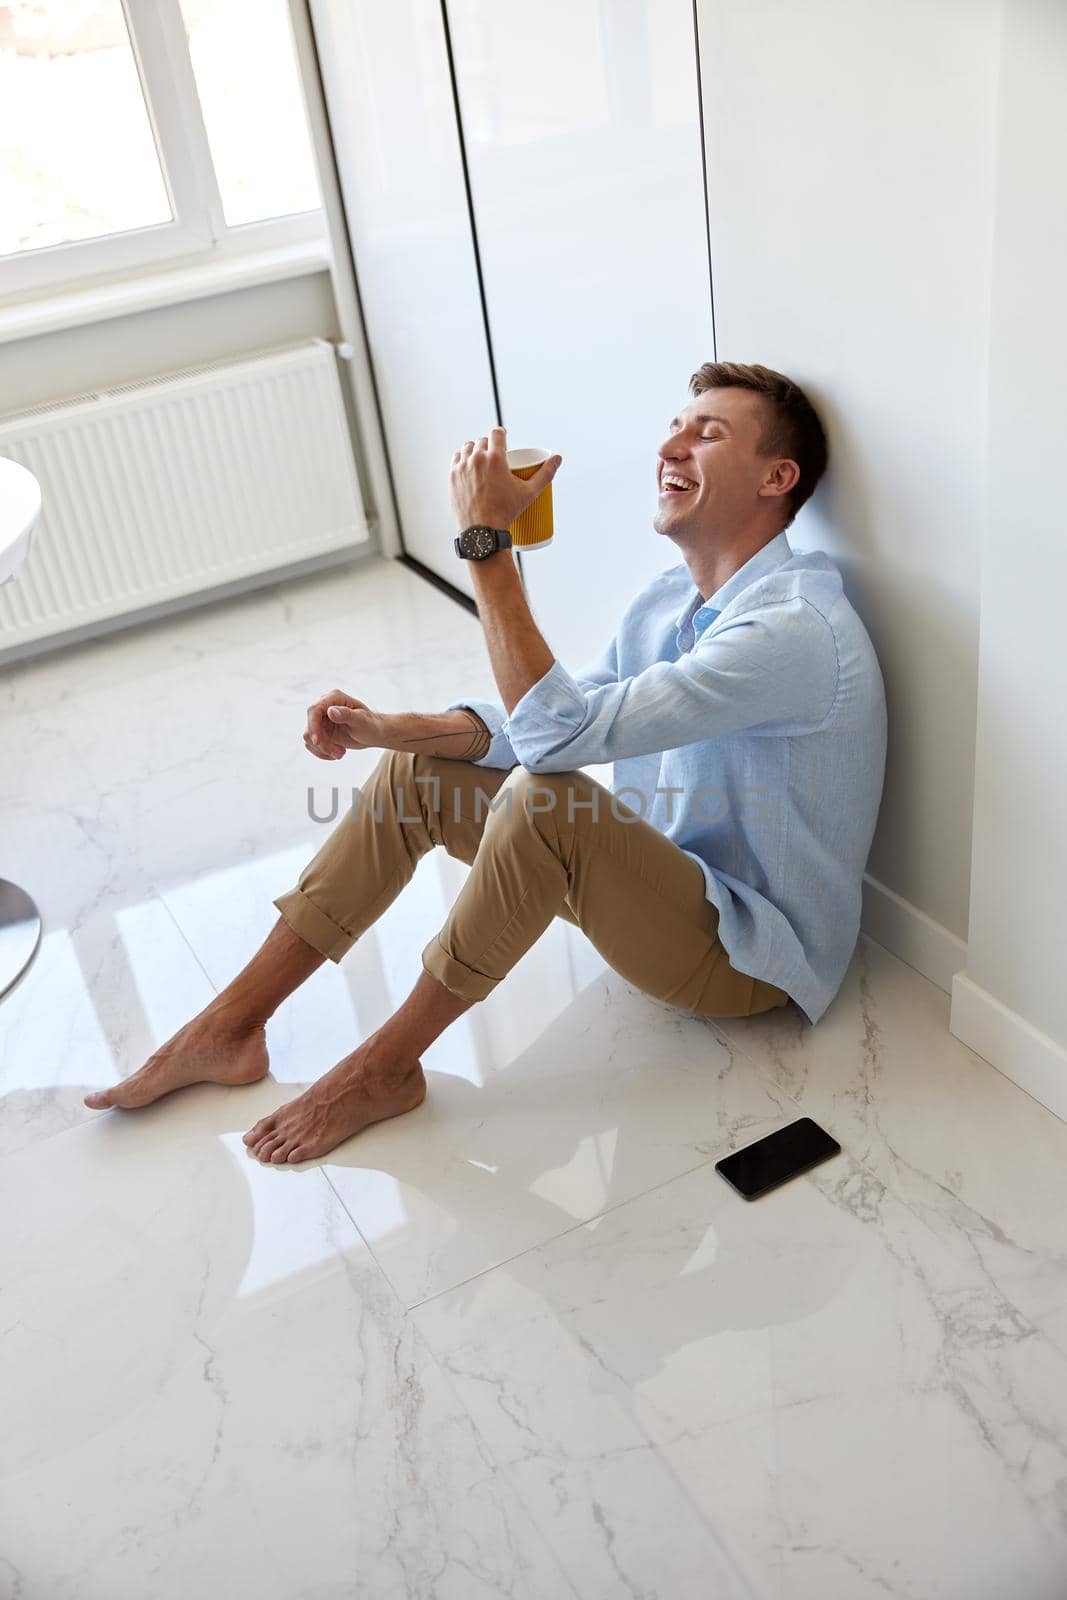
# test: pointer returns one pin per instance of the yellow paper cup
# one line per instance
(533, 529)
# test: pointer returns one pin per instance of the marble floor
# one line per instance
(525, 1341)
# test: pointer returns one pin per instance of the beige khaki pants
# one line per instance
(539, 845)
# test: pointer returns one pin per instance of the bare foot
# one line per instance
(360, 1090)
(215, 1047)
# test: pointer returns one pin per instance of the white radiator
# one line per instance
(161, 489)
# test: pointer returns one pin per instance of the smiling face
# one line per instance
(733, 490)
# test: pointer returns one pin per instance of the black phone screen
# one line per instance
(778, 1157)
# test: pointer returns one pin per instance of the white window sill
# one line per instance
(144, 293)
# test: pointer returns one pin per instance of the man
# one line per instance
(742, 703)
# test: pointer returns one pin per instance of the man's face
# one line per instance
(712, 446)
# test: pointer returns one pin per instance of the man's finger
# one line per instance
(317, 712)
(542, 477)
(318, 750)
(342, 715)
(321, 742)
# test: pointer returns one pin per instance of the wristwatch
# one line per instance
(477, 542)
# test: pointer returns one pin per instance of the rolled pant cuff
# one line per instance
(462, 981)
(314, 926)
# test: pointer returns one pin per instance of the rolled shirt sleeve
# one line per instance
(499, 753)
(603, 669)
(771, 671)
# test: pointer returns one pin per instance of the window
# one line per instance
(245, 70)
(138, 134)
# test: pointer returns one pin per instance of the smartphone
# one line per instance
(778, 1157)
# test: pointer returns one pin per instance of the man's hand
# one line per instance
(484, 489)
(337, 723)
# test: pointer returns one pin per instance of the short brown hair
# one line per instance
(792, 430)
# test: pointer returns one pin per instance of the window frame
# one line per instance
(198, 234)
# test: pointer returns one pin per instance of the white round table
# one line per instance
(20, 507)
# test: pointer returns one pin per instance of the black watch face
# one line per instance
(481, 542)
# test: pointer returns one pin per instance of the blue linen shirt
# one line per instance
(750, 729)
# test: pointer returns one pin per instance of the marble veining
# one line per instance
(524, 1341)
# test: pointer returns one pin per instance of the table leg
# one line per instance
(20, 933)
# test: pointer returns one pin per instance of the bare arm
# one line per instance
(483, 490)
(518, 652)
(338, 722)
(460, 734)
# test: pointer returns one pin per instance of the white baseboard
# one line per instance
(1003, 1038)
(910, 935)
(1011, 1044)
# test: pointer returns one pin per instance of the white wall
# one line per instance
(388, 93)
(583, 141)
(850, 160)
(1011, 1005)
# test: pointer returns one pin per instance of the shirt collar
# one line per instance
(702, 613)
